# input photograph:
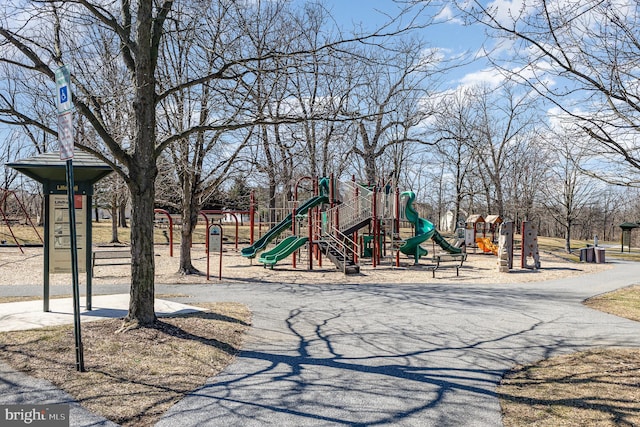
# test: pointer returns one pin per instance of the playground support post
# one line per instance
(294, 220)
(376, 243)
(310, 239)
(318, 225)
(354, 237)
(252, 215)
(317, 229)
(168, 215)
(396, 227)
(295, 205)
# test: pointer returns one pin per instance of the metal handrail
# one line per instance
(352, 211)
(342, 247)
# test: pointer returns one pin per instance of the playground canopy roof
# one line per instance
(48, 167)
(493, 219)
(475, 218)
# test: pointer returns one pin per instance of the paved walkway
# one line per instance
(403, 355)
(24, 315)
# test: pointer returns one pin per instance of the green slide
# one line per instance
(424, 230)
(261, 243)
(283, 250)
(442, 242)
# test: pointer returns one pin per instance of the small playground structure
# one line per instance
(492, 234)
(529, 253)
(477, 230)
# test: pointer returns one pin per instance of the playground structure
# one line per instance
(423, 230)
(529, 246)
(474, 225)
(478, 228)
(291, 221)
(345, 222)
(350, 223)
(166, 222)
(505, 247)
(486, 245)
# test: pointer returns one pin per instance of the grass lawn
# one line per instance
(133, 377)
(590, 388)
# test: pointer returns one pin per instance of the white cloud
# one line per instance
(488, 76)
(506, 11)
(448, 15)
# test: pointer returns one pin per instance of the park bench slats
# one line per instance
(110, 257)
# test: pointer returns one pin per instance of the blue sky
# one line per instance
(450, 34)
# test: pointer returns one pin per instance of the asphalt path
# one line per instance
(424, 354)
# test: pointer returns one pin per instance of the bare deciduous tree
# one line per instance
(567, 191)
(454, 129)
(386, 102)
(584, 57)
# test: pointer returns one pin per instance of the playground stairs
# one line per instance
(342, 221)
(342, 260)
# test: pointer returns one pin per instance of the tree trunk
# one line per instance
(499, 199)
(114, 224)
(272, 198)
(141, 304)
(567, 241)
(189, 221)
(113, 209)
(122, 213)
(370, 168)
(143, 171)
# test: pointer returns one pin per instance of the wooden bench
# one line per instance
(448, 261)
(110, 257)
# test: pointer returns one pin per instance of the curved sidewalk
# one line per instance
(402, 355)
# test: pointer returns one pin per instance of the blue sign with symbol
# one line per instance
(63, 94)
(63, 82)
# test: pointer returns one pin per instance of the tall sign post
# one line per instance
(65, 140)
